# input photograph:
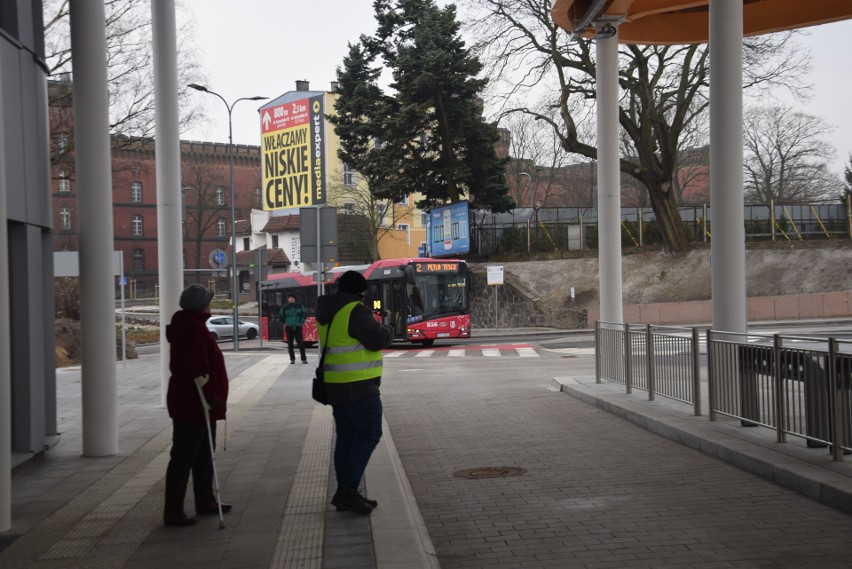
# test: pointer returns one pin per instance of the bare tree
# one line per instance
(536, 151)
(355, 197)
(786, 157)
(847, 176)
(129, 69)
(205, 202)
(664, 90)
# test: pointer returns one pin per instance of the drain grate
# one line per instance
(489, 472)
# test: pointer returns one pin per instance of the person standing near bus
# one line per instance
(292, 316)
(353, 340)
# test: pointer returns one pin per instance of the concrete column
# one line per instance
(609, 180)
(169, 235)
(727, 245)
(94, 205)
(5, 350)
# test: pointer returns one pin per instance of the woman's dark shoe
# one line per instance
(210, 509)
(349, 499)
(177, 519)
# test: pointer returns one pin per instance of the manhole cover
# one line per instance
(489, 472)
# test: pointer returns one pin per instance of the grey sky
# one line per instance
(265, 46)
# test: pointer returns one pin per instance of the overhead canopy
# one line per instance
(685, 21)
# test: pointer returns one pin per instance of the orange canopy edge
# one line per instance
(687, 21)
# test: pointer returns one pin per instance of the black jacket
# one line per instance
(366, 329)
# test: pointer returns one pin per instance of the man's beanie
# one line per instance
(195, 297)
(352, 282)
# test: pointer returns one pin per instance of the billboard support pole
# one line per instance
(320, 267)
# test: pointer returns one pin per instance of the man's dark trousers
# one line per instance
(359, 429)
(297, 334)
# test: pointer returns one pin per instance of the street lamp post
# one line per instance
(235, 294)
(534, 192)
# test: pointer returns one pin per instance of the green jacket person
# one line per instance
(353, 374)
(292, 316)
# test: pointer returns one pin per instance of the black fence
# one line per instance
(575, 228)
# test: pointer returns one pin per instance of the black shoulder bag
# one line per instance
(318, 388)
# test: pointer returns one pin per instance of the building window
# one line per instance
(403, 201)
(405, 227)
(246, 243)
(424, 218)
(348, 175)
(258, 196)
(349, 208)
(65, 218)
(136, 192)
(220, 195)
(136, 226)
(221, 227)
(62, 142)
(138, 259)
(64, 182)
(275, 242)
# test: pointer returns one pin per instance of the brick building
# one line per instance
(205, 181)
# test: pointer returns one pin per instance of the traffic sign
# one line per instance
(218, 258)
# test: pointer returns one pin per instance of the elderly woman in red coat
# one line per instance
(193, 354)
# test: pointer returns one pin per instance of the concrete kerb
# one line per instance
(810, 472)
(400, 538)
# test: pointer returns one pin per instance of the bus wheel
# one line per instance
(427, 343)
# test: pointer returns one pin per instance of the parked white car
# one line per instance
(223, 327)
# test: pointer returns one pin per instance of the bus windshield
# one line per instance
(436, 294)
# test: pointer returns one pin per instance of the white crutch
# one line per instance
(199, 383)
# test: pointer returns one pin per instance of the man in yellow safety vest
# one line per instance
(352, 339)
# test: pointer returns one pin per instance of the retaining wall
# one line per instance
(787, 307)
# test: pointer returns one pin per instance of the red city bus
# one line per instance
(423, 299)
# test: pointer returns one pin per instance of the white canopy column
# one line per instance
(609, 180)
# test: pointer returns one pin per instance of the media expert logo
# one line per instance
(293, 156)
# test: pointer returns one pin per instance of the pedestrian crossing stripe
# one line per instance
(485, 350)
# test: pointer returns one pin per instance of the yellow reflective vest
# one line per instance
(346, 360)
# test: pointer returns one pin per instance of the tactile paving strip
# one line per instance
(299, 543)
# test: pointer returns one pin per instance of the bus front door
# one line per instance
(393, 306)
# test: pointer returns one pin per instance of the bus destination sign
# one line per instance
(437, 267)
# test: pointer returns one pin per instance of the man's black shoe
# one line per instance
(350, 499)
(303, 361)
(292, 361)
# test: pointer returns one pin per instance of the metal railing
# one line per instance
(798, 386)
(662, 360)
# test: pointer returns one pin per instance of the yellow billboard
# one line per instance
(293, 151)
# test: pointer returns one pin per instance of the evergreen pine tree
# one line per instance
(430, 136)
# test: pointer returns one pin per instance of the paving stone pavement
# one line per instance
(596, 490)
